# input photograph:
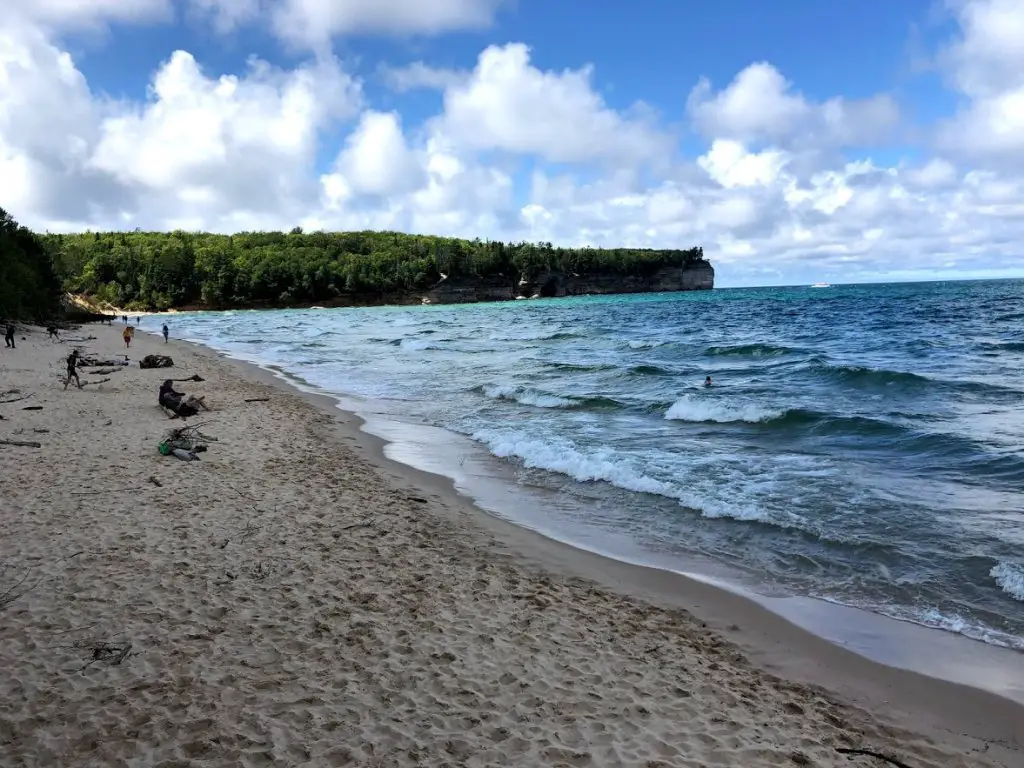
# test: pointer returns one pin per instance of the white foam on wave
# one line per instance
(641, 344)
(1010, 578)
(628, 472)
(562, 456)
(416, 345)
(526, 396)
(703, 409)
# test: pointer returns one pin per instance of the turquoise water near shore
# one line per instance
(861, 444)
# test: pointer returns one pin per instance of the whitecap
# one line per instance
(562, 456)
(1010, 578)
(704, 409)
(527, 396)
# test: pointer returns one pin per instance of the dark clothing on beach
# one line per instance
(168, 394)
(167, 332)
(73, 370)
(175, 401)
(9, 336)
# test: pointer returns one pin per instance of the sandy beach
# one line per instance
(294, 599)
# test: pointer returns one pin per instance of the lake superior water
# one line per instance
(860, 444)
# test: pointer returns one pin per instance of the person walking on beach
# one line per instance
(167, 332)
(138, 319)
(127, 336)
(9, 336)
(73, 370)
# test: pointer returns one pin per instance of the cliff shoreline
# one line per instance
(698, 276)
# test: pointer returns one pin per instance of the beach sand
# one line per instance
(294, 599)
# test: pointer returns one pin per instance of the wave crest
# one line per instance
(701, 409)
(1010, 579)
(541, 399)
(526, 396)
(601, 465)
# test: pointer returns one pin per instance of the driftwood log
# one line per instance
(21, 443)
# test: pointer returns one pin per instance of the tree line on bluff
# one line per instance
(164, 270)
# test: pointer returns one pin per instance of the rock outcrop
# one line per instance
(696, 276)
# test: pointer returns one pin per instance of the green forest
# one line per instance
(165, 270)
(30, 289)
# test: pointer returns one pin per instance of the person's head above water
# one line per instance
(707, 381)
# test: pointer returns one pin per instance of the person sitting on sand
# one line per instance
(707, 382)
(178, 403)
(73, 370)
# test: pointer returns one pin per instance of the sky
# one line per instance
(794, 141)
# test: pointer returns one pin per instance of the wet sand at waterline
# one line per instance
(295, 599)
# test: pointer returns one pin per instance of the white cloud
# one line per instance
(304, 24)
(86, 14)
(760, 105)
(227, 14)
(729, 163)
(935, 173)
(420, 75)
(508, 104)
(312, 23)
(986, 64)
(769, 196)
(376, 160)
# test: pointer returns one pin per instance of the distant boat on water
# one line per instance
(821, 285)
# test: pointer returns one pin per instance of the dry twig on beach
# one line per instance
(872, 753)
(16, 591)
(4, 399)
(21, 443)
(108, 653)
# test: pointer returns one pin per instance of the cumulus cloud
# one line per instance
(986, 64)
(761, 105)
(516, 151)
(508, 104)
(376, 161)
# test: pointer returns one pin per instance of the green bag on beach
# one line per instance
(164, 448)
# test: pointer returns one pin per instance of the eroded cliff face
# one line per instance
(699, 276)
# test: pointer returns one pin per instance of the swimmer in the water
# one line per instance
(707, 382)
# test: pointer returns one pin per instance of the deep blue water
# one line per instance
(863, 444)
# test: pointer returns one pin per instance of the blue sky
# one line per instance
(831, 140)
(655, 56)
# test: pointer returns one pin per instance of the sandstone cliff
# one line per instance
(696, 276)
